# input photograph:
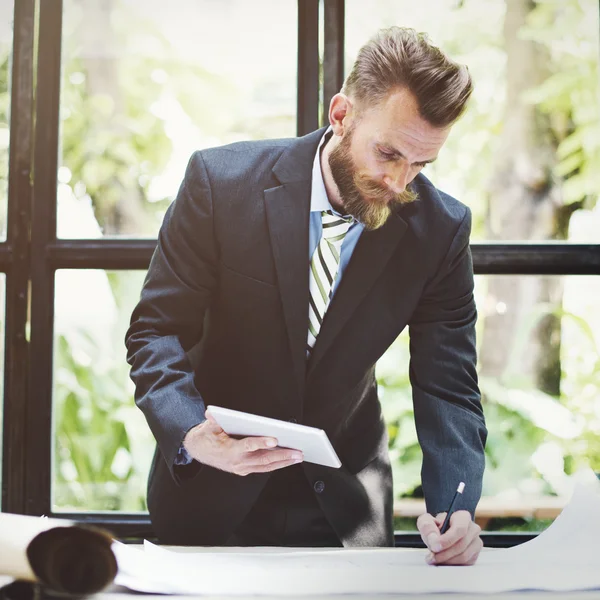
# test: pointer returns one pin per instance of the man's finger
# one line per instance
(252, 444)
(267, 457)
(460, 522)
(457, 549)
(439, 519)
(467, 556)
(213, 423)
(430, 532)
(463, 548)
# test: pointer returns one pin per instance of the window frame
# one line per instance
(32, 252)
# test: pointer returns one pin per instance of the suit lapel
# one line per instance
(372, 253)
(288, 211)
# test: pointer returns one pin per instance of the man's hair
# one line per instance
(400, 57)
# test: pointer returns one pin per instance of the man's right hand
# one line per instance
(210, 445)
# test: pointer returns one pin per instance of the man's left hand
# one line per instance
(460, 545)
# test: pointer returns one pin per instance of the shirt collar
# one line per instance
(318, 196)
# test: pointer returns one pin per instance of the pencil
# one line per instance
(459, 490)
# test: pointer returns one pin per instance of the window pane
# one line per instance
(6, 40)
(143, 86)
(102, 444)
(539, 371)
(525, 157)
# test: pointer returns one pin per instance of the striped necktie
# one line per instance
(323, 270)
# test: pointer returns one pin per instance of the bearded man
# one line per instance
(286, 268)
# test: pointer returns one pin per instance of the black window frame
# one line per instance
(32, 252)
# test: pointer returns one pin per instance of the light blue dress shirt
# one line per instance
(318, 203)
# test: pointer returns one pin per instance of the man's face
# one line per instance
(380, 153)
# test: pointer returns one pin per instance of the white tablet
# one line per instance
(313, 442)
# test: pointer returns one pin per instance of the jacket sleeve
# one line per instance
(167, 321)
(447, 402)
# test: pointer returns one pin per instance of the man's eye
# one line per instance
(386, 155)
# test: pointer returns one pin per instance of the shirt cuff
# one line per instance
(183, 457)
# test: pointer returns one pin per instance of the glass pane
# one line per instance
(6, 42)
(539, 371)
(102, 444)
(526, 155)
(144, 86)
(2, 319)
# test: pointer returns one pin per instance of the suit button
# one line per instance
(292, 420)
(319, 487)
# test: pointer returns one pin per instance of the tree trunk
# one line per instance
(125, 214)
(521, 335)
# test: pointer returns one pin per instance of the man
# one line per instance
(284, 269)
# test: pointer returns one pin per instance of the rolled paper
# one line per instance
(61, 555)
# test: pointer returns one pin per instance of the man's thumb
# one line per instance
(212, 422)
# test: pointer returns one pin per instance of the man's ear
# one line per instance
(340, 113)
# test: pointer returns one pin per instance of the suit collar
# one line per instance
(288, 209)
(318, 195)
(296, 161)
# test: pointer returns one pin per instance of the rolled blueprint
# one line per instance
(61, 555)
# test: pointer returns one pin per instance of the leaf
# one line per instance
(542, 410)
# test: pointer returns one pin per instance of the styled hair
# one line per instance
(399, 57)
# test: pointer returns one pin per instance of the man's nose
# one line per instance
(397, 179)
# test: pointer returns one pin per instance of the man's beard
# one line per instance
(367, 200)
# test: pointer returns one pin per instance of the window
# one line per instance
(130, 90)
(142, 88)
(540, 398)
(524, 157)
(102, 445)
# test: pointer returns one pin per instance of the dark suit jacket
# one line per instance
(230, 278)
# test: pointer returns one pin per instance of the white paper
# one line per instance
(28, 553)
(563, 558)
(16, 532)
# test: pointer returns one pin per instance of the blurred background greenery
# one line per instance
(143, 88)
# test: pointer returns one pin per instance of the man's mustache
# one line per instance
(379, 193)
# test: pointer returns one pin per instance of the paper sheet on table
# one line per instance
(562, 558)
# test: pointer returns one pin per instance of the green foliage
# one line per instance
(518, 525)
(111, 154)
(115, 138)
(570, 94)
(520, 421)
(94, 466)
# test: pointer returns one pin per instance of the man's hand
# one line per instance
(460, 545)
(210, 445)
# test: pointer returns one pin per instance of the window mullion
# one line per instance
(43, 232)
(308, 66)
(14, 259)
